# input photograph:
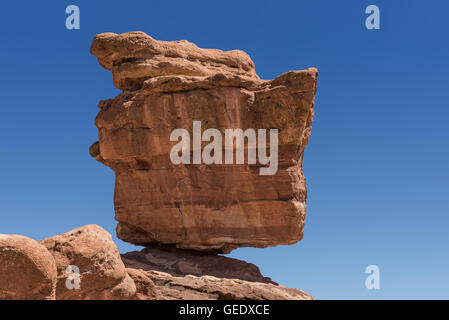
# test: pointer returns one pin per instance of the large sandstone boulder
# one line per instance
(216, 207)
(27, 269)
(92, 252)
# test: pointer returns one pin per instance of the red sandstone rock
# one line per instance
(184, 275)
(181, 263)
(211, 288)
(218, 207)
(27, 269)
(145, 288)
(92, 251)
(134, 57)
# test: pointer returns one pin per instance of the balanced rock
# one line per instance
(27, 269)
(89, 266)
(192, 204)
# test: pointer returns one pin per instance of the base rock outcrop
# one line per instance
(211, 288)
(183, 275)
(210, 208)
(38, 271)
(179, 263)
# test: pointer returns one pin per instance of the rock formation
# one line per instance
(145, 288)
(211, 288)
(32, 270)
(180, 263)
(27, 269)
(184, 212)
(101, 271)
(184, 275)
(209, 208)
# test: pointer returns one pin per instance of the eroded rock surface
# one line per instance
(134, 57)
(27, 269)
(102, 273)
(36, 271)
(211, 208)
(212, 288)
(186, 275)
(181, 263)
(145, 288)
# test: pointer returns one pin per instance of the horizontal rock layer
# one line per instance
(211, 288)
(180, 263)
(135, 56)
(185, 275)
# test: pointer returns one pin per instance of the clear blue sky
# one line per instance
(377, 162)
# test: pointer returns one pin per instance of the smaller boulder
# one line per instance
(89, 266)
(27, 269)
